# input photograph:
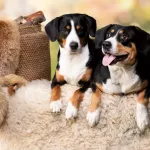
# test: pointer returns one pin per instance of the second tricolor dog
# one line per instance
(123, 68)
(75, 58)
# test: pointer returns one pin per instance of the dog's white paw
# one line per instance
(71, 111)
(142, 117)
(93, 117)
(56, 106)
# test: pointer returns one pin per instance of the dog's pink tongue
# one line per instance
(107, 59)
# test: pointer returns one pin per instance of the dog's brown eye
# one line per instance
(65, 31)
(108, 35)
(124, 37)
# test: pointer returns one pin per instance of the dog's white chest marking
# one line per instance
(72, 67)
(123, 80)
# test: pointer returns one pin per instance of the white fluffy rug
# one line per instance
(31, 126)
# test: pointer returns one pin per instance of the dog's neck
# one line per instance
(124, 67)
(126, 77)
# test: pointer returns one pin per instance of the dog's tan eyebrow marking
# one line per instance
(121, 31)
(78, 27)
(112, 31)
(67, 27)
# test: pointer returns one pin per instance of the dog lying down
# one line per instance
(30, 124)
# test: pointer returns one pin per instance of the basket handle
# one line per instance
(32, 19)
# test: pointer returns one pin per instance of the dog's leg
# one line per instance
(141, 111)
(94, 110)
(55, 102)
(76, 99)
(74, 103)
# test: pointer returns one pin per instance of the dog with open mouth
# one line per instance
(123, 62)
(75, 58)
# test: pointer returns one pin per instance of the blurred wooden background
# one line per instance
(125, 12)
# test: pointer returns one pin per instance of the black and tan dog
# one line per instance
(123, 68)
(75, 58)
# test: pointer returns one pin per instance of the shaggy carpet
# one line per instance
(31, 126)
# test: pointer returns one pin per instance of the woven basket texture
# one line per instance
(34, 61)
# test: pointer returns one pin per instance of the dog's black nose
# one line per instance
(73, 45)
(106, 45)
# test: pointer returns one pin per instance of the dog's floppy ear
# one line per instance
(91, 22)
(142, 38)
(101, 35)
(142, 34)
(52, 29)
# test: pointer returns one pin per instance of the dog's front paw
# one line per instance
(93, 117)
(55, 106)
(142, 117)
(71, 111)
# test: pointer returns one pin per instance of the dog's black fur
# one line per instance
(135, 35)
(56, 31)
(59, 29)
(123, 63)
(56, 28)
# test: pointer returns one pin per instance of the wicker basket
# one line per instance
(34, 61)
